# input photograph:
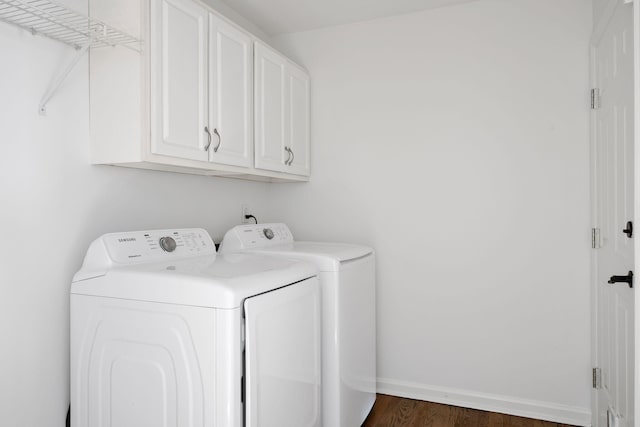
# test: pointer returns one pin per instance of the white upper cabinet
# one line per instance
(179, 97)
(203, 97)
(298, 112)
(230, 95)
(281, 113)
(270, 113)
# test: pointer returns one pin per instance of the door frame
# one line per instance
(594, 222)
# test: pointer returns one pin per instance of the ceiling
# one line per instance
(289, 16)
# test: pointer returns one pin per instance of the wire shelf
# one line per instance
(57, 22)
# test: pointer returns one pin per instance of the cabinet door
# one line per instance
(270, 109)
(230, 93)
(179, 92)
(298, 112)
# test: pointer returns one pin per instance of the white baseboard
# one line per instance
(488, 402)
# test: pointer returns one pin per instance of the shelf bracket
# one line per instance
(42, 109)
(50, 19)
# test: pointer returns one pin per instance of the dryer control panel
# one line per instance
(157, 245)
(138, 247)
(253, 236)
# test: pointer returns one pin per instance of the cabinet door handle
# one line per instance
(206, 148)
(629, 230)
(288, 150)
(215, 130)
(292, 157)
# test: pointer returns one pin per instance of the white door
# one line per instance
(270, 109)
(613, 191)
(230, 93)
(282, 357)
(298, 111)
(179, 92)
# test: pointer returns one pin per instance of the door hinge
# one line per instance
(595, 98)
(595, 238)
(596, 377)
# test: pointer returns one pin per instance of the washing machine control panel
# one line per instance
(257, 236)
(158, 245)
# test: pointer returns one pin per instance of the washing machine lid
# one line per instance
(276, 239)
(326, 256)
(130, 266)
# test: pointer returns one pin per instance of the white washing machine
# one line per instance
(347, 282)
(166, 333)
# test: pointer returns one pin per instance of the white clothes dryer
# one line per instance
(347, 282)
(164, 332)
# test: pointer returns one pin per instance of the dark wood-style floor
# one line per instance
(390, 411)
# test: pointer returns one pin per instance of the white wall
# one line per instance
(455, 142)
(53, 204)
(222, 7)
(600, 7)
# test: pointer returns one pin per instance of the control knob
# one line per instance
(268, 233)
(167, 244)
